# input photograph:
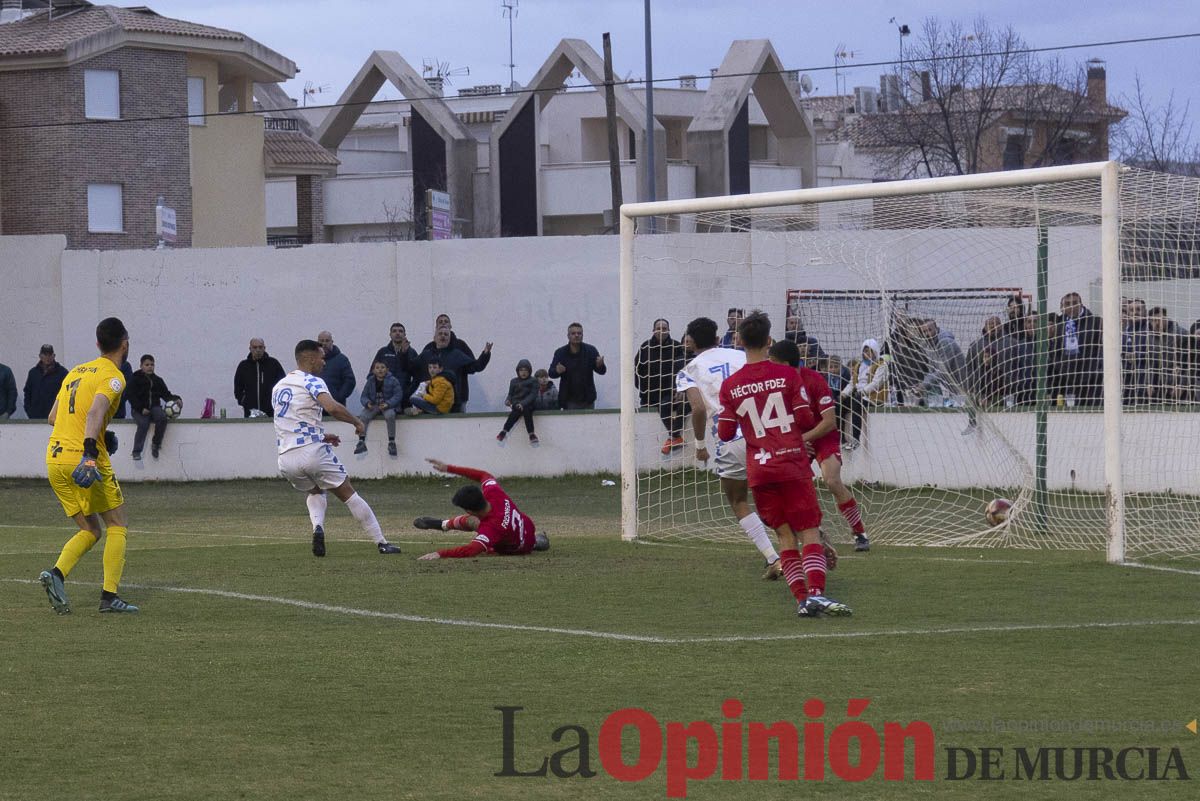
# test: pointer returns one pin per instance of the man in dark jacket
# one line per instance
(255, 377)
(402, 360)
(658, 361)
(1076, 353)
(146, 392)
(574, 364)
(122, 408)
(338, 375)
(457, 363)
(8, 392)
(42, 384)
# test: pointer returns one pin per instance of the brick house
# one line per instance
(104, 110)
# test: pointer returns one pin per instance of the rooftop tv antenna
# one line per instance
(510, 13)
(311, 88)
(840, 56)
(433, 68)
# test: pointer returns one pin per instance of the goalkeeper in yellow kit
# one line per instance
(80, 472)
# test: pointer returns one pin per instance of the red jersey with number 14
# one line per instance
(768, 402)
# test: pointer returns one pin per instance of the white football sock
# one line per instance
(757, 532)
(316, 508)
(365, 517)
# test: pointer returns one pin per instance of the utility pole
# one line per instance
(651, 193)
(614, 153)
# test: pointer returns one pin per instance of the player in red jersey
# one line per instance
(767, 401)
(825, 439)
(501, 528)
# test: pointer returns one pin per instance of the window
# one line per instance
(102, 94)
(196, 101)
(1014, 152)
(106, 209)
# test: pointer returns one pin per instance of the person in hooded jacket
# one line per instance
(868, 387)
(522, 398)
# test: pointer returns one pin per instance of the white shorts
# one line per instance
(312, 466)
(730, 459)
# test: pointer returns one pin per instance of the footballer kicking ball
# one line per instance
(173, 408)
(997, 511)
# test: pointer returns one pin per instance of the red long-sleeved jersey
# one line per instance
(504, 530)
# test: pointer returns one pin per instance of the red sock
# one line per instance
(814, 568)
(458, 523)
(849, 510)
(793, 573)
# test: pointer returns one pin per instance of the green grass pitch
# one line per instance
(361, 676)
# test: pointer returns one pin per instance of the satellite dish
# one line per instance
(806, 84)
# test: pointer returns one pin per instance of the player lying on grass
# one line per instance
(501, 528)
(769, 404)
(824, 438)
(306, 456)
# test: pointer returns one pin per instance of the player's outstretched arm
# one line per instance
(699, 421)
(339, 412)
(466, 472)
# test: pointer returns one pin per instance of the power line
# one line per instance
(638, 82)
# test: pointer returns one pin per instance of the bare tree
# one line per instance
(963, 86)
(1157, 137)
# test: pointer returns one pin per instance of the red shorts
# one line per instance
(791, 502)
(828, 445)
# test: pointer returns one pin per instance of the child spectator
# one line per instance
(522, 395)
(381, 394)
(438, 394)
(547, 395)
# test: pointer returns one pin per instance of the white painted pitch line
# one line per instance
(1162, 567)
(731, 546)
(649, 638)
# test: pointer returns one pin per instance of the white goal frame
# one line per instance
(1108, 172)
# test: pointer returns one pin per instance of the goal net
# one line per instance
(986, 372)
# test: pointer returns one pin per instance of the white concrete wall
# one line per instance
(910, 448)
(361, 199)
(773, 178)
(281, 203)
(586, 188)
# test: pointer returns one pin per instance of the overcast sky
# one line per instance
(329, 40)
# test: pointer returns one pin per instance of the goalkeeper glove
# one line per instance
(86, 473)
(110, 442)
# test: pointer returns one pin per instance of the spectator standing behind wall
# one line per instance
(255, 377)
(338, 375)
(658, 361)
(575, 364)
(8, 392)
(910, 363)
(1164, 358)
(402, 361)
(1191, 357)
(1076, 353)
(122, 408)
(1135, 351)
(732, 317)
(456, 362)
(984, 368)
(547, 395)
(42, 384)
(947, 364)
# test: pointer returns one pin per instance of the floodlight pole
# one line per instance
(651, 195)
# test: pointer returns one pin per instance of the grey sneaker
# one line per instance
(391, 447)
(861, 543)
(116, 605)
(55, 591)
(361, 447)
(818, 605)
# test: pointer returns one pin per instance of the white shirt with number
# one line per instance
(706, 372)
(297, 412)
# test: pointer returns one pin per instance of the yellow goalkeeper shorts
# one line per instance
(102, 496)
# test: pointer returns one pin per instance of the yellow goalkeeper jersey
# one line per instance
(79, 390)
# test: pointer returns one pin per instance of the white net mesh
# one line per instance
(986, 307)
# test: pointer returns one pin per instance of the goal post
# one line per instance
(876, 260)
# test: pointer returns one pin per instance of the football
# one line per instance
(173, 408)
(997, 511)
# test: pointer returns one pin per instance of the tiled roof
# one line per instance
(37, 34)
(293, 148)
